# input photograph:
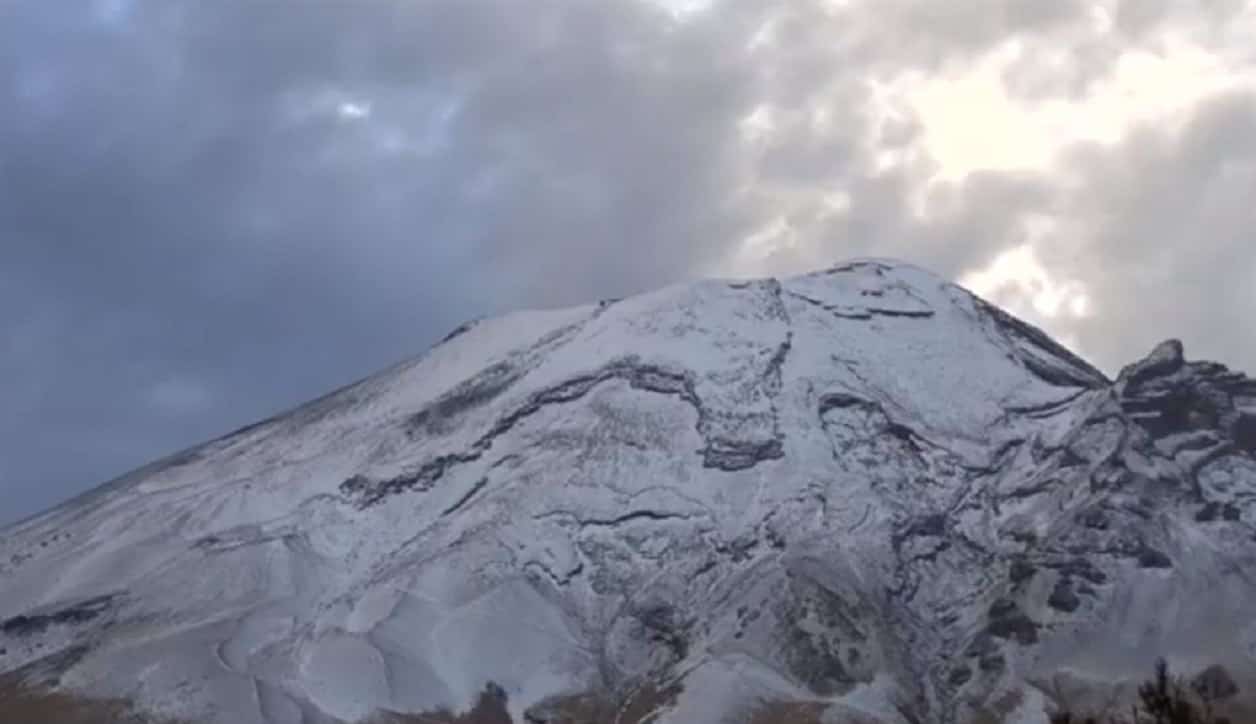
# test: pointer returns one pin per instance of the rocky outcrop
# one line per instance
(1200, 406)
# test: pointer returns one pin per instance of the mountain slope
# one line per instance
(863, 490)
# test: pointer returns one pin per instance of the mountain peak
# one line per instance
(864, 488)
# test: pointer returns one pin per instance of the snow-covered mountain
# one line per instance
(861, 494)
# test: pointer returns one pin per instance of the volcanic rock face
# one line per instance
(861, 491)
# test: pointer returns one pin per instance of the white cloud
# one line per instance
(682, 9)
(972, 121)
(113, 13)
(353, 111)
(1017, 279)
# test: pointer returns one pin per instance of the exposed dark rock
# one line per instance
(720, 453)
(1152, 558)
(1003, 607)
(1021, 571)
(356, 485)
(775, 538)
(466, 498)
(1007, 621)
(1210, 512)
(817, 662)
(663, 627)
(1213, 511)
(1081, 568)
(629, 517)
(959, 676)
(1244, 430)
(1024, 537)
(459, 331)
(1070, 458)
(982, 645)
(819, 630)
(1166, 359)
(993, 663)
(741, 454)
(893, 312)
(79, 613)
(841, 400)
(866, 312)
(1166, 395)
(1063, 598)
(1094, 518)
(931, 525)
(368, 492)
(1064, 369)
(479, 390)
(740, 549)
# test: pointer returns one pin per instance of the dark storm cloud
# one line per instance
(213, 210)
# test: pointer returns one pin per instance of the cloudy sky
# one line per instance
(213, 209)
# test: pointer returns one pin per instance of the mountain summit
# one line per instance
(862, 494)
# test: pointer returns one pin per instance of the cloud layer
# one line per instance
(210, 211)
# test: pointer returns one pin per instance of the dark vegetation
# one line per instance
(1168, 699)
(23, 704)
(642, 705)
(788, 713)
(489, 709)
(1208, 698)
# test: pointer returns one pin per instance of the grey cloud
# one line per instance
(1162, 232)
(1136, 17)
(1139, 19)
(1062, 67)
(933, 33)
(1159, 231)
